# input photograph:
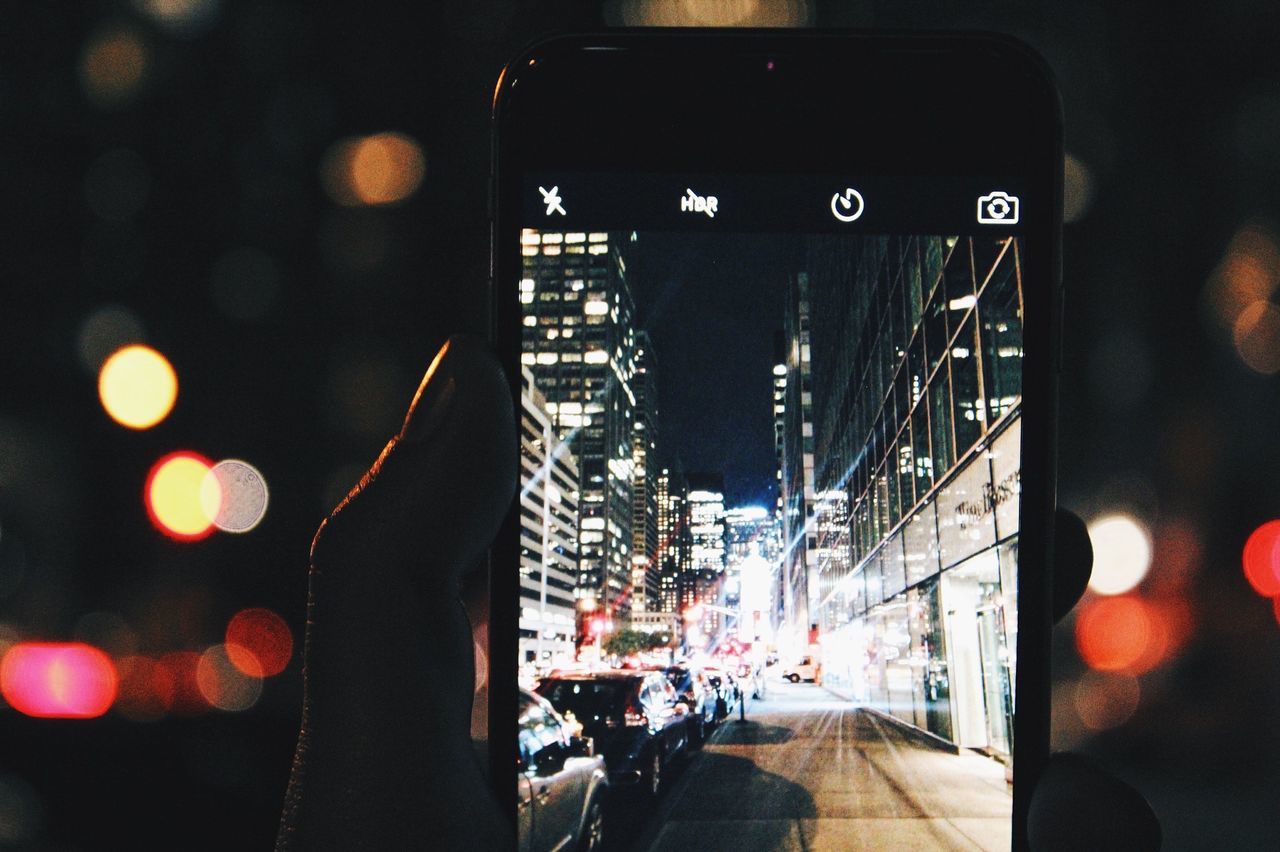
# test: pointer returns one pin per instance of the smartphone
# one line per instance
(779, 313)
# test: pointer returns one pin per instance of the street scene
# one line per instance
(769, 538)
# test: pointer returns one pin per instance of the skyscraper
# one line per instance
(579, 343)
(673, 536)
(548, 534)
(800, 540)
(645, 562)
(703, 582)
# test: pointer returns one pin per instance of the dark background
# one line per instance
(1172, 131)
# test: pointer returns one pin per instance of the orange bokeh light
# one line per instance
(1122, 634)
(58, 680)
(1262, 559)
(385, 168)
(259, 642)
(224, 681)
(174, 499)
(137, 386)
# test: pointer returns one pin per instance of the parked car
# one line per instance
(806, 670)
(726, 687)
(560, 782)
(697, 692)
(635, 718)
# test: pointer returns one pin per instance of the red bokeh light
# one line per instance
(1122, 634)
(259, 642)
(1262, 559)
(172, 495)
(60, 680)
(181, 666)
(146, 689)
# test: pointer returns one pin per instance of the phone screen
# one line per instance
(769, 507)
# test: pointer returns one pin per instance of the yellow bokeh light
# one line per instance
(381, 169)
(137, 386)
(174, 496)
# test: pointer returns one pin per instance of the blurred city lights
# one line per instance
(105, 331)
(228, 683)
(1262, 559)
(709, 13)
(260, 639)
(1248, 273)
(181, 666)
(384, 168)
(176, 498)
(1121, 634)
(146, 688)
(1077, 189)
(1121, 553)
(181, 17)
(1106, 701)
(234, 494)
(1256, 335)
(137, 386)
(112, 66)
(64, 680)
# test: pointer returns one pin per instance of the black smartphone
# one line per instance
(779, 312)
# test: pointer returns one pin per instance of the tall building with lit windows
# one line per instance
(579, 344)
(916, 364)
(674, 543)
(548, 535)
(703, 581)
(799, 504)
(645, 562)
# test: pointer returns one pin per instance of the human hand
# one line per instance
(385, 758)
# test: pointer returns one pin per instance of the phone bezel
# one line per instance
(771, 102)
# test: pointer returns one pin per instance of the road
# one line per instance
(810, 771)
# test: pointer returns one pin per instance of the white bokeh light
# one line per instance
(1121, 553)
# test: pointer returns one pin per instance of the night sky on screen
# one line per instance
(712, 304)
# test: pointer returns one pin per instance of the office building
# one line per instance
(578, 343)
(799, 594)
(646, 567)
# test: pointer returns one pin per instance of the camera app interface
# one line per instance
(768, 526)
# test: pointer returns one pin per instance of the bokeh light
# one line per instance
(1262, 559)
(181, 17)
(146, 688)
(187, 698)
(227, 684)
(709, 13)
(1121, 553)
(174, 497)
(137, 386)
(112, 67)
(1121, 634)
(1256, 335)
(62, 680)
(1248, 273)
(384, 168)
(1106, 701)
(1077, 189)
(106, 330)
(234, 494)
(259, 642)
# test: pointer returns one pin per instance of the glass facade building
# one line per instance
(645, 562)
(916, 346)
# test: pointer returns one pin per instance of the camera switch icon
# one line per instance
(998, 208)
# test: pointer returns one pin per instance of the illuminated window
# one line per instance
(548, 358)
(597, 238)
(575, 238)
(595, 307)
(575, 250)
(551, 250)
(550, 239)
(529, 238)
(530, 320)
(528, 358)
(595, 249)
(529, 251)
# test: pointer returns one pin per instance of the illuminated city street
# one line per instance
(810, 771)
